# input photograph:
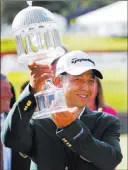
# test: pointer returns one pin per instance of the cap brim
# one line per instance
(98, 73)
(81, 70)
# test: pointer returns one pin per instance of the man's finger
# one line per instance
(42, 77)
(39, 71)
(38, 66)
(43, 66)
(32, 65)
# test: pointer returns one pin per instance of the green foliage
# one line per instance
(87, 43)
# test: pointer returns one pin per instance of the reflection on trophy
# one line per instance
(50, 101)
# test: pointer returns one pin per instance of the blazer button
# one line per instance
(25, 108)
(28, 104)
(69, 145)
(64, 139)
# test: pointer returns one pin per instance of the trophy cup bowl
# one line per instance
(36, 35)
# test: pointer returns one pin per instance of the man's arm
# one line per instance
(105, 154)
(17, 131)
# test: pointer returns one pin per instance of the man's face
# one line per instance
(78, 89)
(5, 96)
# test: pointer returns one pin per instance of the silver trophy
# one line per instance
(37, 39)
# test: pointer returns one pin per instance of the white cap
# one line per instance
(76, 63)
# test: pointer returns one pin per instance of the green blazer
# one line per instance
(89, 143)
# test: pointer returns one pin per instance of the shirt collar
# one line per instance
(81, 113)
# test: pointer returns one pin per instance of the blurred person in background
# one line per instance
(5, 98)
(5, 95)
(97, 102)
(9, 159)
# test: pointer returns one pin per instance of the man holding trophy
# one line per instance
(71, 136)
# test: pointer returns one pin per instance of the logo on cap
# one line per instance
(75, 60)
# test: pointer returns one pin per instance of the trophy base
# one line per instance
(47, 113)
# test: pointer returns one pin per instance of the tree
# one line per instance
(9, 8)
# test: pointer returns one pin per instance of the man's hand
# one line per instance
(38, 75)
(65, 118)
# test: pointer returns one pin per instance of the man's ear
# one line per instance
(57, 81)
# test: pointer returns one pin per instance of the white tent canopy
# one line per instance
(107, 21)
(116, 12)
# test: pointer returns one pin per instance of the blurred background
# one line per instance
(97, 27)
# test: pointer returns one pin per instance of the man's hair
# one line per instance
(2, 77)
(54, 62)
(24, 85)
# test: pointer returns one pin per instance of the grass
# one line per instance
(123, 142)
(78, 41)
(87, 43)
(17, 79)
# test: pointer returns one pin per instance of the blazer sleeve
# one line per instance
(105, 154)
(17, 130)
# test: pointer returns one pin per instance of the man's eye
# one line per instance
(76, 79)
(91, 81)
